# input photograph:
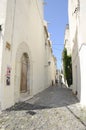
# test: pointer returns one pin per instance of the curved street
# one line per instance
(56, 108)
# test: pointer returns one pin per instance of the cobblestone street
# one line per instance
(55, 108)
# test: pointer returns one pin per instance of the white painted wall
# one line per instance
(48, 80)
(53, 69)
(77, 22)
(82, 50)
(67, 44)
(3, 5)
(24, 32)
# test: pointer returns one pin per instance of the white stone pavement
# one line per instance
(56, 108)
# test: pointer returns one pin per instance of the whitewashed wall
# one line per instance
(77, 22)
(82, 49)
(25, 33)
(67, 44)
(53, 69)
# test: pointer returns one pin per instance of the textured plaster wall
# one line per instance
(25, 33)
(78, 45)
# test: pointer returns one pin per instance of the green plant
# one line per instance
(67, 67)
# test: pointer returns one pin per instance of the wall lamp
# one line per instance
(49, 62)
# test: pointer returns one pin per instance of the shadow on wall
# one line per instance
(76, 69)
(74, 33)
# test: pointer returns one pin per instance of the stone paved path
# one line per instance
(55, 108)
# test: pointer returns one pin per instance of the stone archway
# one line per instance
(23, 73)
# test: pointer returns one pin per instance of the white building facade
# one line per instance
(67, 40)
(53, 69)
(77, 23)
(50, 60)
(22, 51)
(67, 46)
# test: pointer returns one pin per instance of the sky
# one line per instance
(56, 14)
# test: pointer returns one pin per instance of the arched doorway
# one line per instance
(24, 70)
(23, 73)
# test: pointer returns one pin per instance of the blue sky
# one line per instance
(56, 14)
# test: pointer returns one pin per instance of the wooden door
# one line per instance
(24, 69)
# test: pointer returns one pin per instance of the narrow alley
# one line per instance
(56, 108)
(42, 65)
